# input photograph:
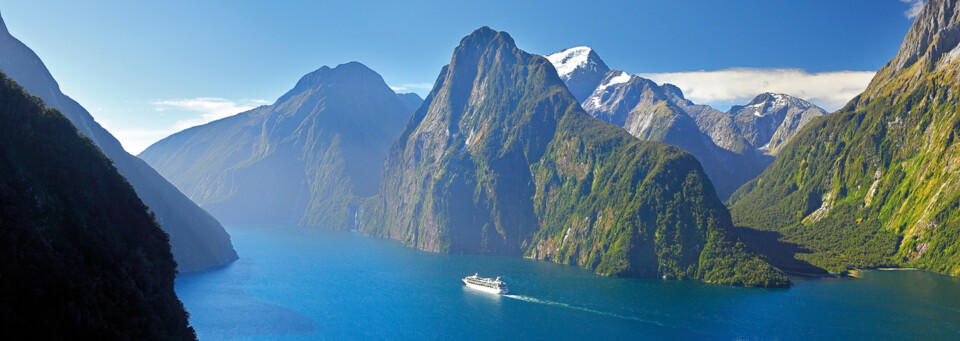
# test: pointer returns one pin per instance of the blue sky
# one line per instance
(146, 69)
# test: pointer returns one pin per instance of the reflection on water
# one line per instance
(296, 283)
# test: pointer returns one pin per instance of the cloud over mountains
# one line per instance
(830, 90)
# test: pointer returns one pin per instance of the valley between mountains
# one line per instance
(555, 157)
(516, 154)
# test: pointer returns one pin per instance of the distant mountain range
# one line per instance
(82, 257)
(500, 159)
(733, 147)
(875, 184)
(307, 159)
(198, 240)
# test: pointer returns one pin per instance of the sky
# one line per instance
(147, 69)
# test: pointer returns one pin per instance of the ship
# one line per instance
(490, 285)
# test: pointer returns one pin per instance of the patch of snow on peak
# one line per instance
(570, 60)
(623, 77)
(595, 101)
(757, 109)
(781, 100)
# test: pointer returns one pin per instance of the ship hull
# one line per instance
(484, 289)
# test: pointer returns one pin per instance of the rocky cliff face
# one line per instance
(733, 147)
(766, 123)
(875, 183)
(307, 159)
(500, 159)
(648, 111)
(198, 240)
(82, 258)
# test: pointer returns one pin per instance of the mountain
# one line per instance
(198, 240)
(82, 258)
(648, 112)
(411, 101)
(501, 160)
(766, 123)
(306, 159)
(875, 184)
(726, 144)
(581, 69)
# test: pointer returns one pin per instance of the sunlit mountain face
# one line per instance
(690, 185)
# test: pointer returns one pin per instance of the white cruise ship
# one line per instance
(491, 285)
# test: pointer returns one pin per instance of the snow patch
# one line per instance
(569, 60)
(595, 101)
(623, 77)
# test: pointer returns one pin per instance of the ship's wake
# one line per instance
(573, 307)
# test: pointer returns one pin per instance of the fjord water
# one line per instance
(294, 283)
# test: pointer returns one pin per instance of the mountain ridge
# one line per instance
(725, 143)
(199, 241)
(72, 269)
(500, 159)
(306, 159)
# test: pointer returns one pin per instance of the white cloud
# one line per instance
(187, 112)
(830, 90)
(136, 140)
(409, 86)
(915, 7)
(209, 108)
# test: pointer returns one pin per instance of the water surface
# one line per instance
(293, 284)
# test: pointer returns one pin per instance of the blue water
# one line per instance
(293, 284)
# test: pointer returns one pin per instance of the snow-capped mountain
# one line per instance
(733, 147)
(646, 111)
(581, 69)
(771, 119)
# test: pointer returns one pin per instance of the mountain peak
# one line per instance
(768, 97)
(581, 69)
(483, 37)
(573, 59)
(673, 90)
(769, 102)
(350, 73)
(933, 42)
(935, 32)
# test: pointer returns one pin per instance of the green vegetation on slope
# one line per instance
(81, 258)
(500, 159)
(875, 184)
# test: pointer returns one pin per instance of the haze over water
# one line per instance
(294, 283)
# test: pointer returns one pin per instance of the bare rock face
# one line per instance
(770, 120)
(932, 42)
(935, 32)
